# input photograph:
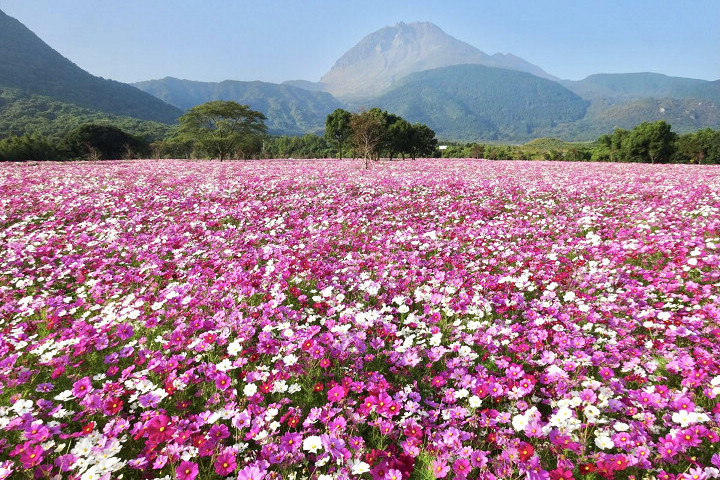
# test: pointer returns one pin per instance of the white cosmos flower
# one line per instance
(359, 468)
(250, 389)
(591, 413)
(682, 417)
(234, 348)
(312, 444)
(519, 422)
(22, 406)
(603, 442)
(224, 365)
(621, 427)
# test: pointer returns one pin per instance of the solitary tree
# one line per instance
(221, 128)
(337, 128)
(367, 133)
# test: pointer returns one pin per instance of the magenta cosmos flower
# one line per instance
(82, 387)
(186, 470)
(225, 463)
(159, 429)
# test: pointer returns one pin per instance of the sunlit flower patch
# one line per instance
(314, 320)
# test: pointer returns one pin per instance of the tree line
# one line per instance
(650, 142)
(222, 130)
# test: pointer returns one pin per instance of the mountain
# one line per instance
(603, 116)
(22, 113)
(306, 85)
(387, 55)
(474, 102)
(633, 86)
(289, 110)
(30, 65)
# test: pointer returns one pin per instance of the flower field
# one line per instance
(314, 320)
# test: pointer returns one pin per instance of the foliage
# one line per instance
(25, 114)
(307, 146)
(337, 128)
(651, 140)
(421, 141)
(701, 147)
(604, 116)
(223, 128)
(27, 147)
(103, 142)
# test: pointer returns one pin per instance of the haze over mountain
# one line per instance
(29, 64)
(387, 55)
(632, 86)
(289, 110)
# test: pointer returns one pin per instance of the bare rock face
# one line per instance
(389, 54)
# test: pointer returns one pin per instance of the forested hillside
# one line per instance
(29, 64)
(482, 103)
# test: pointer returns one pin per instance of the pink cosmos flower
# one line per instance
(440, 468)
(222, 382)
(225, 463)
(290, 442)
(159, 429)
(393, 474)
(31, 455)
(335, 394)
(252, 472)
(461, 467)
(218, 432)
(82, 387)
(186, 470)
(37, 433)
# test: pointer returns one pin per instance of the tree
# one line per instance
(368, 130)
(701, 147)
(27, 147)
(478, 151)
(653, 140)
(221, 128)
(399, 136)
(103, 142)
(337, 128)
(422, 141)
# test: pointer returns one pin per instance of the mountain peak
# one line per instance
(390, 53)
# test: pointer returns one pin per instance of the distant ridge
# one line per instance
(633, 86)
(383, 57)
(289, 110)
(29, 64)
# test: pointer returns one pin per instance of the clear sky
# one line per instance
(277, 40)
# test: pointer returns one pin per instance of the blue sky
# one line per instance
(277, 40)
